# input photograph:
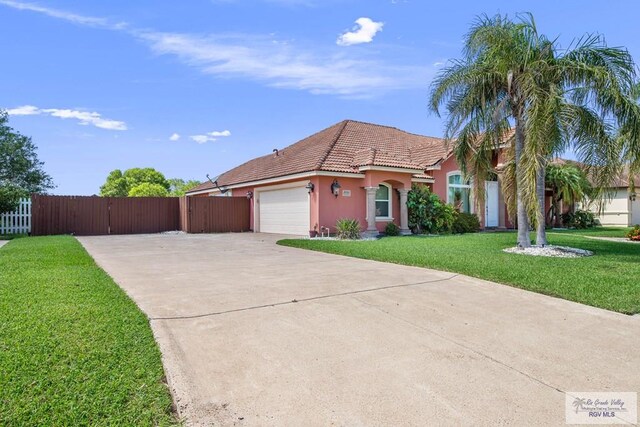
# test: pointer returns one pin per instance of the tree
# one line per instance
(568, 184)
(555, 99)
(115, 186)
(10, 196)
(178, 187)
(148, 189)
(21, 172)
(119, 184)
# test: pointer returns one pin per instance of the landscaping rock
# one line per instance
(550, 251)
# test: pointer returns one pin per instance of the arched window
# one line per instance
(383, 202)
(459, 192)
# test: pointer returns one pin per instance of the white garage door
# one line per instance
(285, 211)
(635, 212)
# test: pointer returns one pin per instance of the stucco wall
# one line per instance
(615, 211)
(332, 208)
(440, 188)
(354, 206)
(440, 177)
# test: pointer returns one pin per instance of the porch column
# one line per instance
(404, 212)
(372, 230)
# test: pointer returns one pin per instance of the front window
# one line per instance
(459, 192)
(383, 201)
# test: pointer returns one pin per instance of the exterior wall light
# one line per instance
(310, 187)
(335, 187)
(632, 196)
(249, 195)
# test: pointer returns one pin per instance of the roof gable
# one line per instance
(343, 147)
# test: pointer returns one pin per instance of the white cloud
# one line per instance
(25, 110)
(210, 136)
(201, 139)
(364, 32)
(84, 117)
(87, 118)
(284, 66)
(67, 16)
(223, 133)
(275, 63)
(174, 137)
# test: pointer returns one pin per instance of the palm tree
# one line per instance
(579, 403)
(568, 184)
(555, 99)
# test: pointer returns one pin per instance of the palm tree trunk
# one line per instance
(524, 240)
(541, 232)
(556, 211)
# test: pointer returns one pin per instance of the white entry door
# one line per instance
(491, 212)
(284, 211)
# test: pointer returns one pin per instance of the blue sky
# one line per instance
(105, 85)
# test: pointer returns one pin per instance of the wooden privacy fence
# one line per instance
(18, 221)
(92, 215)
(214, 214)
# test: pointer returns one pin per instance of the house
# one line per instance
(350, 170)
(622, 207)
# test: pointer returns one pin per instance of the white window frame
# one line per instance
(389, 200)
(466, 186)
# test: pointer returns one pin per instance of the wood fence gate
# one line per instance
(214, 214)
(92, 215)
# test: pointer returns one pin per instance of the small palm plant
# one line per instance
(348, 229)
(568, 184)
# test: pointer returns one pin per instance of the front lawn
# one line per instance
(11, 236)
(596, 232)
(609, 279)
(74, 349)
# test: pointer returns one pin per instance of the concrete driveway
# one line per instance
(257, 334)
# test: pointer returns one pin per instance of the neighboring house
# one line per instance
(350, 170)
(622, 207)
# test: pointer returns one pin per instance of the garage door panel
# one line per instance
(285, 211)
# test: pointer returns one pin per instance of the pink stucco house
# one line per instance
(349, 170)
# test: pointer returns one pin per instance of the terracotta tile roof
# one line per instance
(373, 157)
(422, 176)
(343, 147)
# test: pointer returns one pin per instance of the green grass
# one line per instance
(609, 279)
(74, 349)
(598, 231)
(11, 236)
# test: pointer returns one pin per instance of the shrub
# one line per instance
(348, 229)
(391, 229)
(147, 189)
(427, 213)
(634, 233)
(465, 223)
(10, 196)
(580, 219)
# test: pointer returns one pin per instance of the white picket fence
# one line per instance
(18, 221)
